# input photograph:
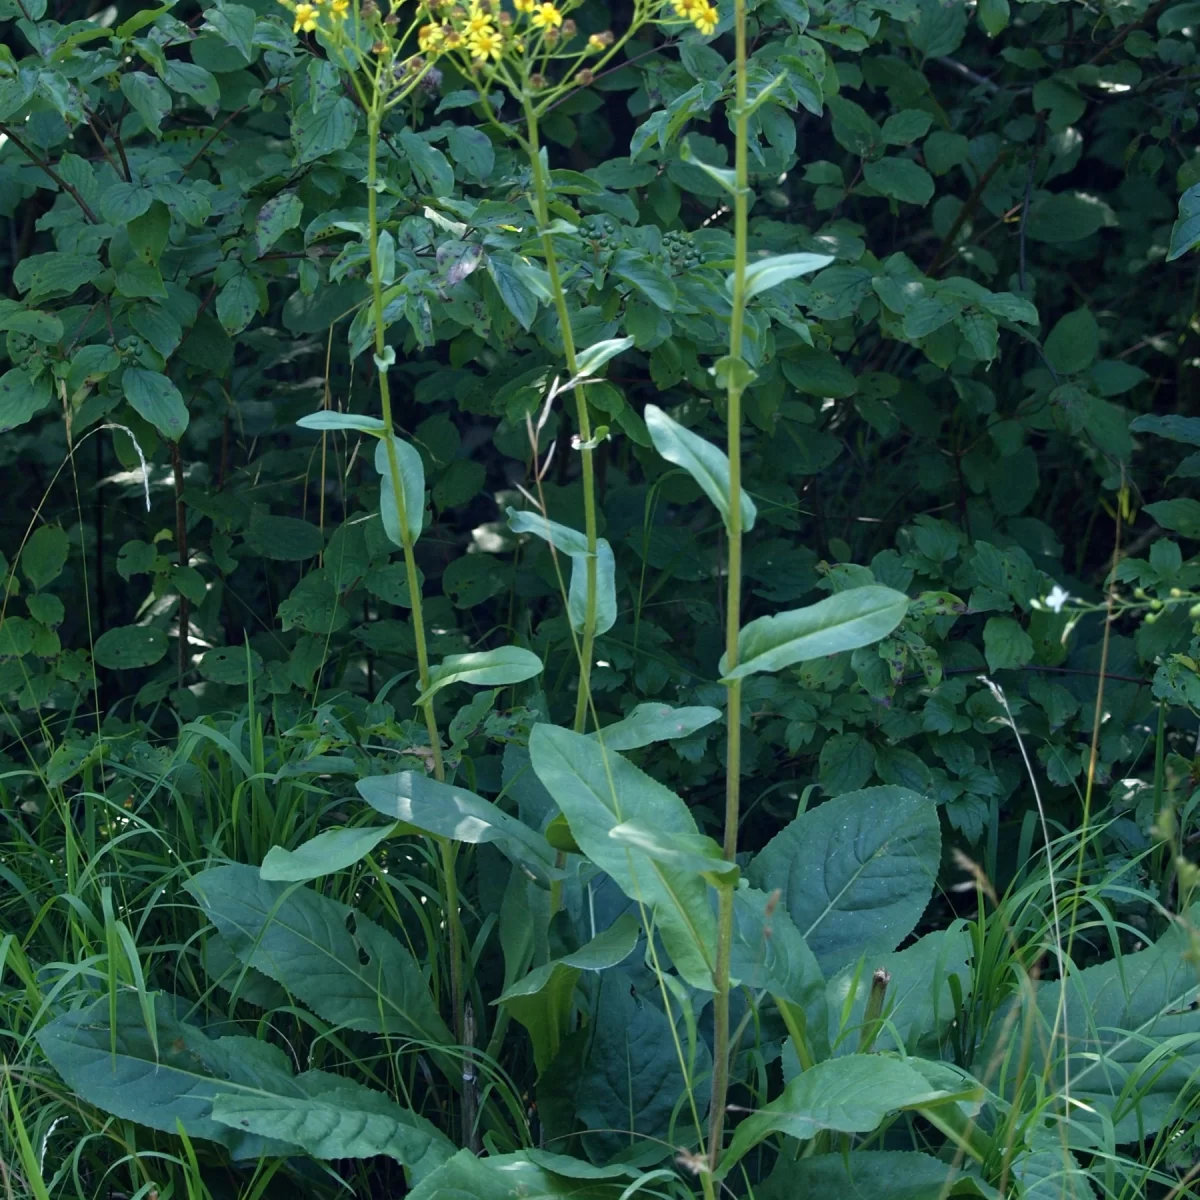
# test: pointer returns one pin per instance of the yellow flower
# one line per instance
(485, 44)
(306, 18)
(523, 6)
(340, 9)
(705, 17)
(595, 42)
(429, 37)
(478, 21)
(546, 16)
(685, 8)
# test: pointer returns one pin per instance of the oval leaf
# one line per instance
(327, 420)
(412, 483)
(156, 398)
(842, 622)
(130, 646)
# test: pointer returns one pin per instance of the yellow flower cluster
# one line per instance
(306, 17)
(702, 13)
(486, 32)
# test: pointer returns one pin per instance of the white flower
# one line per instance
(1057, 598)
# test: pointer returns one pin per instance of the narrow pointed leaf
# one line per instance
(767, 273)
(653, 722)
(594, 357)
(703, 461)
(483, 668)
(328, 420)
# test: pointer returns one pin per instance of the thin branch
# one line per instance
(40, 162)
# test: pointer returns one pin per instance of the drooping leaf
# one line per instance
(653, 722)
(846, 1095)
(1185, 234)
(542, 1000)
(855, 872)
(335, 1117)
(501, 667)
(766, 273)
(174, 1081)
(157, 399)
(362, 980)
(328, 852)
(599, 790)
(411, 472)
(844, 621)
(703, 461)
(130, 646)
(445, 810)
(595, 356)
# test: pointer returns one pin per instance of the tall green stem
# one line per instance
(449, 850)
(736, 382)
(541, 202)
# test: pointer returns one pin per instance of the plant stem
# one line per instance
(449, 851)
(542, 215)
(735, 383)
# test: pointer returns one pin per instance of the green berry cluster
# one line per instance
(680, 250)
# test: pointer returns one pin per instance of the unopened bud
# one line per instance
(586, 78)
(569, 28)
(537, 82)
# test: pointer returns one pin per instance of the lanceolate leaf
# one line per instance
(767, 273)
(412, 482)
(652, 722)
(328, 419)
(328, 852)
(362, 980)
(855, 872)
(846, 1095)
(453, 812)
(844, 621)
(706, 464)
(598, 790)
(484, 668)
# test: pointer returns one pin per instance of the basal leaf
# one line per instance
(331, 851)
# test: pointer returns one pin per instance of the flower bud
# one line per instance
(569, 28)
(586, 78)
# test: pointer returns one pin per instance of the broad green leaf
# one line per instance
(149, 96)
(1073, 344)
(630, 1082)
(703, 461)
(856, 872)
(173, 1081)
(122, 202)
(1133, 1029)
(45, 554)
(993, 16)
(906, 126)
(901, 179)
(328, 852)
(919, 1002)
(284, 539)
(770, 954)
(522, 1176)
(363, 979)
(1181, 515)
(1169, 425)
(412, 484)
(766, 273)
(653, 722)
(501, 667)
(235, 24)
(683, 851)
(845, 621)
(279, 214)
(873, 1175)
(329, 420)
(543, 1000)
(338, 1118)
(595, 356)
(1005, 644)
(726, 178)
(431, 167)
(55, 273)
(1185, 234)
(194, 81)
(237, 303)
(331, 127)
(157, 399)
(130, 646)
(453, 812)
(847, 1095)
(598, 790)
